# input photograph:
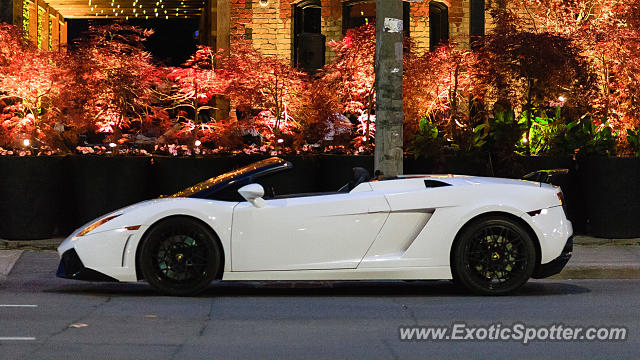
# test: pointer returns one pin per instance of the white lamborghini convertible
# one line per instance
(489, 235)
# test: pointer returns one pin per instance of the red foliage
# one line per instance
(115, 75)
(194, 87)
(347, 83)
(607, 33)
(266, 83)
(435, 84)
(30, 82)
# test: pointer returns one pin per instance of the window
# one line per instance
(438, 24)
(308, 42)
(477, 21)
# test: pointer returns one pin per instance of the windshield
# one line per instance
(243, 175)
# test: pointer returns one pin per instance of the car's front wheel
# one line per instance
(180, 256)
(493, 256)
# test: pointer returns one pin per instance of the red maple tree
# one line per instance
(117, 76)
(436, 84)
(607, 34)
(276, 92)
(30, 81)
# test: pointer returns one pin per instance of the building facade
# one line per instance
(300, 29)
(41, 24)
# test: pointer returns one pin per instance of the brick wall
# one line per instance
(269, 27)
(419, 27)
(331, 23)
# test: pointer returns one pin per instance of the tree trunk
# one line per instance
(389, 48)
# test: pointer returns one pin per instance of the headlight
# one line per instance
(96, 224)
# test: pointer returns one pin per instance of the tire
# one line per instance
(180, 257)
(493, 256)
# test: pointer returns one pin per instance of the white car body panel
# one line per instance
(395, 229)
(307, 233)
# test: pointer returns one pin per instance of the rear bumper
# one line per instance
(71, 267)
(556, 265)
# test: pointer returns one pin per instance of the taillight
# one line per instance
(560, 197)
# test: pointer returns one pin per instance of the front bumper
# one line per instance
(556, 265)
(71, 267)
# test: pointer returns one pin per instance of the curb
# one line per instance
(594, 241)
(46, 244)
(599, 271)
(8, 259)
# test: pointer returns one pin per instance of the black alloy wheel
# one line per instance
(180, 256)
(493, 256)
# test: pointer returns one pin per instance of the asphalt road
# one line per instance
(65, 319)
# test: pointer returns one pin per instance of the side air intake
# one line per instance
(435, 183)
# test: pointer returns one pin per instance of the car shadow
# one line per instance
(320, 288)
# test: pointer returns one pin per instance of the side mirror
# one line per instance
(253, 193)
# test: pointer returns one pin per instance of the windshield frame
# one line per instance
(244, 175)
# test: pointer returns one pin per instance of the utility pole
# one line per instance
(223, 41)
(389, 49)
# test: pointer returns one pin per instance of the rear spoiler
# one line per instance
(545, 176)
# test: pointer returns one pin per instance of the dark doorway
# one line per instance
(308, 42)
(438, 24)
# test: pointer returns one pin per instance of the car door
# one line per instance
(330, 231)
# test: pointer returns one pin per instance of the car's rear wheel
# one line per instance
(493, 256)
(180, 256)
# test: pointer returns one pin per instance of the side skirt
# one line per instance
(408, 273)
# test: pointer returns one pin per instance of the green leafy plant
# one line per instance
(504, 131)
(586, 138)
(427, 141)
(633, 138)
(542, 134)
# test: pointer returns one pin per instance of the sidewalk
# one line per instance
(593, 258)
